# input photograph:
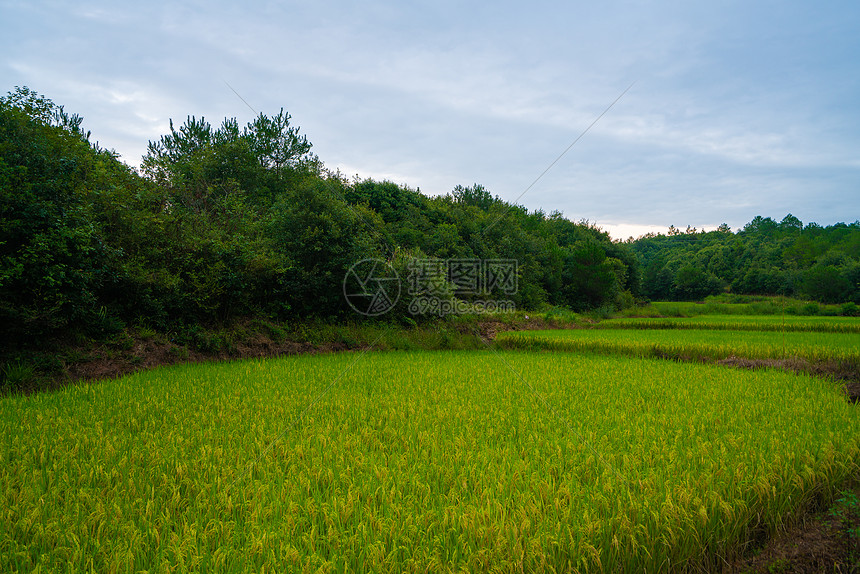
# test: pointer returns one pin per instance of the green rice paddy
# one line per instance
(693, 343)
(416, 461)
(740, 323)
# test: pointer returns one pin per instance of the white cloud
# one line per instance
(733, 114)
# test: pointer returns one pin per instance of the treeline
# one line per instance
(237, 221)
(766, 257)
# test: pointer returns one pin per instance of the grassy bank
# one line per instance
(51, 364)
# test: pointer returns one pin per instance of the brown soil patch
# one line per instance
(106, 363)
(488, 330)
(825, 542)
(110, 361)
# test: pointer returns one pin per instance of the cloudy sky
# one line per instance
(736, 109)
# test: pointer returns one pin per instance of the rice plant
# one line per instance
(693, 343)
(740, 323)
(415, 461)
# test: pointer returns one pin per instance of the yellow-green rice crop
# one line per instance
(420, 461)
(766, 306)
(693, 343)
(740, 323)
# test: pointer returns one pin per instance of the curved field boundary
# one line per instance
(740, 323)
(693, 343)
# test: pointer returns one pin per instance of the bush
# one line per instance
(809, 309)
(826, 283)
(16, 375)
(850, 309)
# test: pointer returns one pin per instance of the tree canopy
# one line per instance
(766, 257)
(233, 221)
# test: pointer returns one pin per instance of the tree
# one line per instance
(590, 278)
(760, 225)
(692, 283)
(53, 258)
(200, 164)
(276, 143)
(44, 111)
(826, 283)
(319, 238)
(474, 195)
(791, 223)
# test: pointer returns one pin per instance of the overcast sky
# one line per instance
(737, 109)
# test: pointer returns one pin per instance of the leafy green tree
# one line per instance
(764, 226)
(52, 258)
(275, 143)
(322, 238)
(851, 276)
(201, 164)
(692, 283)
(475, 195)
(765, 257)
(590, 278)
(826, 283)
(791, 223)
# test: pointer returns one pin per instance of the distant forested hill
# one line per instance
(765, 257)
(235, 221)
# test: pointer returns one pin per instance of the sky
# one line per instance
(706, 112)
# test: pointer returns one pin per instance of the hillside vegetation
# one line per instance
(227, 225)
(229, 221)
(764, 258)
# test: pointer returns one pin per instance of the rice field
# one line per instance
(740, 323)
(765, 306)
(415, 461)
(693, 343)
